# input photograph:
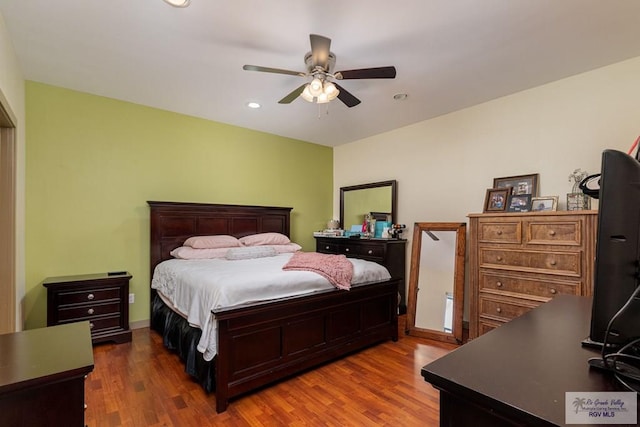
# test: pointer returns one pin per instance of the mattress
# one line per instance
(194, 288)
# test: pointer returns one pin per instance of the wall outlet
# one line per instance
(132, 298)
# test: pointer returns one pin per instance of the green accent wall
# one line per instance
(93, 162)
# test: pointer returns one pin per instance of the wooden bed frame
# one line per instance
(262, 343)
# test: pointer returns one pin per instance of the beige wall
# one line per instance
(12, 90)
(444, 165)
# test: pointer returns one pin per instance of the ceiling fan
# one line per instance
(322, 88)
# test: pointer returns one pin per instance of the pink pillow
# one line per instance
(265, 239)
(187, 252)
(212, 242)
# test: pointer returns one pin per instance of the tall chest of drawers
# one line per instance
(101, 298)
(387, 252)
(518, 261)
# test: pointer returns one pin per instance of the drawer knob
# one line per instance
(326, 248)
(499, 232)
(553, 291)
(499, 310)
(552, 233)
(499, 258)
(346, 250)
(499, 284)
(91, 311)
(370, 252)
(553, 262)
(90, 297)
(91, 325)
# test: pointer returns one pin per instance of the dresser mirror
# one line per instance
(436, 281)
(358, 200)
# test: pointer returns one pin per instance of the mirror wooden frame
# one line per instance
(455, 336)
(394, 196)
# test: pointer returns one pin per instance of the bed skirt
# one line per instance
(182, 339)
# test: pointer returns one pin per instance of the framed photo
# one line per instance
(547, 203)
(519, 203)
(521, 184)
(496, 199)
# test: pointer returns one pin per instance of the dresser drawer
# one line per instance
(500, 232)
(503, 309)
(371, 251)
(88, 311)
(488, 325)
(94, 295)
(544, 289)
(327, 248)
(559, 263)
(566, 233)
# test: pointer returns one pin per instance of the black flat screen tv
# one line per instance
(617, 262)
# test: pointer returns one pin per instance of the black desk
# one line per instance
(518, 374)
(42, 375)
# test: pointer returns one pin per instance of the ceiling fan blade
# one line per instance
(346, 97)
(320, 46)
(368, 73)
(272, 70)
(293, 95)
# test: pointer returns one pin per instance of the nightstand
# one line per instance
(102, 299)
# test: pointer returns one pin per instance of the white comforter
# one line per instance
(196, 287)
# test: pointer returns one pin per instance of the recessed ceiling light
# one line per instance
(253, 105)
(400, 96)
(178, 3)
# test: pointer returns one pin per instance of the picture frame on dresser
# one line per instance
(544, 204)
(519, 203)
(496, 199)
(520, 184)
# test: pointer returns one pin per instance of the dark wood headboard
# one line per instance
(173, 222)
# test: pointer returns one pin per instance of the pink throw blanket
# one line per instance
(337, 269)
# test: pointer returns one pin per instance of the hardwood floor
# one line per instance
(142, 384)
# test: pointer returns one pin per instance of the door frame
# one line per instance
(8, 172)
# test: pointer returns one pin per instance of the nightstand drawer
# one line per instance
(103, 323)
(95, 295)
(88, 311)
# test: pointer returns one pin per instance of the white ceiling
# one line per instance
(448, 54)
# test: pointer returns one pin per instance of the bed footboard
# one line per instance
(264, 343)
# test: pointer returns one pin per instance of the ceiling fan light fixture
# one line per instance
(322, 98)
(315, 87)
(178, 3)
(306, 94)
(330, 91)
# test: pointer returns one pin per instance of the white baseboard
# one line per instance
(139, 324)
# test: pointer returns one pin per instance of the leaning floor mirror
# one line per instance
(436, 281)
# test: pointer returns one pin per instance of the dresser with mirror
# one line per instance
(355, 202)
